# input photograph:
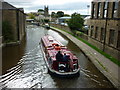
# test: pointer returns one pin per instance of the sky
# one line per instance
(67, 6)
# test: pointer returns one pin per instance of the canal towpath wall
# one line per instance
(105, 66)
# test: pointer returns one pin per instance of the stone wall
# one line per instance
(105, 45)
(17, 18)
(108, 24)
(61, 27)
(22, 25)
(10, 16)
(84, 36)
(0, 23)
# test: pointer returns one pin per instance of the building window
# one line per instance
(96, 32)
(92, 28)
(111, 37)
(99, 9)
(118, 40)
(93, 10)
(93, 6)
(102, 36)
(115, 7)
(105, 8)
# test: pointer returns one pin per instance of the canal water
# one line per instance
(24, 66)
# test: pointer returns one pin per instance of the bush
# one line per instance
(7, 31)
(31, 16)
(46, 20)
(76, 22)
(78, 33)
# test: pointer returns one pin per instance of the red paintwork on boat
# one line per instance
(50, 50)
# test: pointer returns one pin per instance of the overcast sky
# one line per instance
(68, 6)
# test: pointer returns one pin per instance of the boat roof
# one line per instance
(49, 40)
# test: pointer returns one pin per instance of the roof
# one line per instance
(6, 5)
(29, 19)
(88, 17)
(64, 17)
(105, 0)
(84, 16)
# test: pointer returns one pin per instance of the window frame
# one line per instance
(92, 30)
(96, 32)
(115, 9)
(102, 34)
(111, 39)
(99, 9)
(105, 9)
(118, 40)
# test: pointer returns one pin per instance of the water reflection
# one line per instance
(29, 69)
(11, 55)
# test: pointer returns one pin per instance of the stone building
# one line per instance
(16, 17)
(0, 23)
(104, 26)
(46, 11)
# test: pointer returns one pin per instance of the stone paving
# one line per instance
(108, 68)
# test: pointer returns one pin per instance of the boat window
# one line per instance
(49, 46)
(51, 40)
(56, 45)
(74, 59)
(63, 47)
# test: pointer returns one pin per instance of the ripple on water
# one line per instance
(31, 71)
(31, 68)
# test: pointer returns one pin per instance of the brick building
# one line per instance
(16, 17)
(104, 26)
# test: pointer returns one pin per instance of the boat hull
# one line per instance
(76, 74)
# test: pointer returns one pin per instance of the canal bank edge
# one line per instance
(11, 44)
(102, 63)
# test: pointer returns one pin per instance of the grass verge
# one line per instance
(114, 60)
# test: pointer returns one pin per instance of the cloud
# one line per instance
(70, 6)
(66, 5)
(18, 0)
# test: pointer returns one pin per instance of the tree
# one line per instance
(66, 15)
(53, 14)
(31, 16)
(40, 10)
(76, 22)
(60, 14)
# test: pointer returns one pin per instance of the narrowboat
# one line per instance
(47, 26)
(64, 67)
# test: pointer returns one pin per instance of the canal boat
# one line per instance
(50, 47)
(47, 26)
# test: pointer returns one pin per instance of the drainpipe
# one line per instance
(17, 25)
(106, 19)
(105, 34)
